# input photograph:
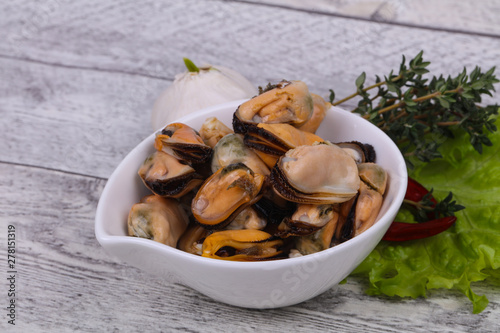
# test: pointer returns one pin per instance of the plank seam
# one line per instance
(53, 169)
(357, 18)
(96, 69)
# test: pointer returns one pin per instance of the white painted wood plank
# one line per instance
(476, 17)
(77, 80)
(265, 44)
(79, 121)
(66, 282)
(80, 96)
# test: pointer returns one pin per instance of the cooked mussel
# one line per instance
(231, 149)
(374, 176)
(247, 219)
(317, 174)
(241, 245)
(274, 208)
(306, 220)
(320, 106)
(192, 239)
(319, 240)
(270, 189)
(317, 215)
(367, 208)
(166, 176)
(274, 140)
(370, 198)
(157, 218)
(225, 194)
(212, 130)
(345, 225)
(360, 213)
(361, 152)
(288, 102)
(183, 142)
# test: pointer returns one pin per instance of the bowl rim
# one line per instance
(106, 239)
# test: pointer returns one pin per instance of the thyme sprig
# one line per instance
(420, 113)
(422, 209)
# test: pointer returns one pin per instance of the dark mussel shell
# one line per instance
(166, 176)
(183, 142)
(364, 152)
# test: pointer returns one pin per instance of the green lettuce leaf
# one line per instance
(467, 252)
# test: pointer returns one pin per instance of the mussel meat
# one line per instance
(274, 140)
(157, 218)
(370, 198)
(183, 142)
(225, 194)
(374, 176)
(361, 152)
(269, 190)
(231, 149)
(192, 239)
(166, 176)
(288, 102)
(320, 240)
(320, 106)
(247, 219)
(360, 213)
(241, 245)
(306, 220)
(317, 174)
(213, 130)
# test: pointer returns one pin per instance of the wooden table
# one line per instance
(77, 84)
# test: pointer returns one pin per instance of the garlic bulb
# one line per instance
(198, 88)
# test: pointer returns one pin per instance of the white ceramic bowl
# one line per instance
(267, 284)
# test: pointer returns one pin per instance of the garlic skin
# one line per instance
(194, 90)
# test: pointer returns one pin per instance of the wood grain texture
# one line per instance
(77, 83)
(81, 121)
(327, 52)
(90, 65)
(67, 283)
(471, 17)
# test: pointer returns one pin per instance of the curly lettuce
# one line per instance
(467, 252)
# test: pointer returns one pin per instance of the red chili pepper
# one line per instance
(416, 192)
(400, 231)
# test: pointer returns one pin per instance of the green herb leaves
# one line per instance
(422, 209)
(360, 81)
(417, 112)
(420, 114)
(467, 252)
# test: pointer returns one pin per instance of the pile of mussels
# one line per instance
(271, 189)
